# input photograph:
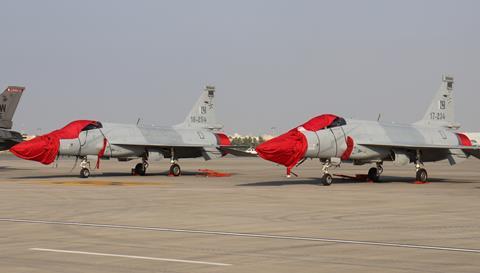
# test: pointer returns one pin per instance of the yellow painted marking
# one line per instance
(98, 183)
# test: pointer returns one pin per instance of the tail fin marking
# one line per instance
(8, 104)
(203, 114)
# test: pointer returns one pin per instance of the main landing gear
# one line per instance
(84, 168)
(374, 173)
(421, 173)
(175, 169)
(141, 168)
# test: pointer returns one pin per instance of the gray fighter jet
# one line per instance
(197, 137)
(8, 104)
(334, 140)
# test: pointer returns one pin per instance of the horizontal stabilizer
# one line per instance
(474, 153)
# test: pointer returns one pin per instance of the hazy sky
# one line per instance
(274, 63)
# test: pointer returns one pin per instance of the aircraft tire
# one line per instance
(140, 169)
(327, 179)
(84, 173)
(175, 170)
(422, 175)
(373, 175)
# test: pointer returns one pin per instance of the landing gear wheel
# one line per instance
(374, 175)
(140, 169)
(422, 175)
(175, 170)
(84, 173)
(327, 179)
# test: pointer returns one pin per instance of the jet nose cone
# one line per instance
(41, 149)
(287, 149)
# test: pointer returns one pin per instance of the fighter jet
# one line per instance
(198, 136)
(334, 140)
(8, 104)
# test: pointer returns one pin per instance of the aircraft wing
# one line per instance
(237, 151)
(469, 150)
(158, 145)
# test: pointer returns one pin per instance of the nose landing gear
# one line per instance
(327, 178)
(374, 173)
(84, 168)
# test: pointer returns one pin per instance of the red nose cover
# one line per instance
(44, 148)
(287, 149)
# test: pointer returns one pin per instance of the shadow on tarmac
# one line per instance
(6, 168)
(110, 174)
(317, 181)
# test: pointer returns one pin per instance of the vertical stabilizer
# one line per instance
(203, 114)
(441, 111)
(8, 104)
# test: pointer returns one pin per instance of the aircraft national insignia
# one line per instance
(442, 105)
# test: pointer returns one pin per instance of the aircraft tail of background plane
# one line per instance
(203, 114)
(441, 111)
(8, 104)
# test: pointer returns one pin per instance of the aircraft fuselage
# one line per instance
(373, 141)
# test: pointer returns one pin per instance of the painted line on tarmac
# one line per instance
(127, 256)
(248, 235)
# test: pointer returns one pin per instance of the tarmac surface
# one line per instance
(253, 221)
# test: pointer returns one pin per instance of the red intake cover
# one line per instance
(348, 152)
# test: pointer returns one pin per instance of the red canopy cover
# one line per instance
(44, 148)
(319, 122)
(289, 148)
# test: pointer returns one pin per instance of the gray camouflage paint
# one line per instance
(433, 138)
(195, 137)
